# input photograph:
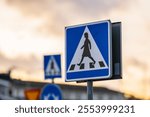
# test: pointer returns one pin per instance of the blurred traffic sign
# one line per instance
(32, 94)
(51, 92)
(52, 66)
(89, 51)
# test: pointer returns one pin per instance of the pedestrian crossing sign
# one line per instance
(88, 51)
(52, 66)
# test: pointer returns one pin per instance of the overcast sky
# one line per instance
(31, 28)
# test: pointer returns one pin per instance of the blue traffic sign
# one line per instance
(52, 66)
(89, 51)
(51, 92)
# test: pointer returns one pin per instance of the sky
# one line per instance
(30, 29)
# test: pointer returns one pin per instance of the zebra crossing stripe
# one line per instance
(91, 65)
(82, 66)
(101, 63)
(72, 67)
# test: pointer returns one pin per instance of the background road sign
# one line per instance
(52, 66)
(32, 94)
(89, 51)
(51, 92)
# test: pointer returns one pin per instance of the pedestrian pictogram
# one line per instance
(87, 55)
(52, 66)
(88, 51)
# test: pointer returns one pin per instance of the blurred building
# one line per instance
(14, 89)
(5, 86)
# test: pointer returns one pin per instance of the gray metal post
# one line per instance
(90, 90)
(53, 81)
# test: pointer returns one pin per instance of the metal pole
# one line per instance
(90, 90)
(52, 80)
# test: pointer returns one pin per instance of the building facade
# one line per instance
(15, 89)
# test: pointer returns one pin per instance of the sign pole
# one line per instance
(90, 90)
(52, 80)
